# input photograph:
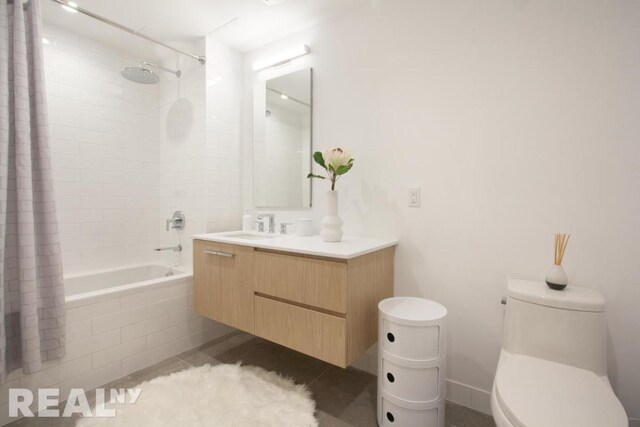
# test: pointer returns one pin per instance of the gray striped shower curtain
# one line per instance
(32, 313)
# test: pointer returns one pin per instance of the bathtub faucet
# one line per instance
(170, 248)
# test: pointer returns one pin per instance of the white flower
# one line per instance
(336, 157)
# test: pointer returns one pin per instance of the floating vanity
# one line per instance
(314, 297)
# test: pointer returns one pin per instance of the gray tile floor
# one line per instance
(344, 397)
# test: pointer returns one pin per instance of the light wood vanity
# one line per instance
(323, 306)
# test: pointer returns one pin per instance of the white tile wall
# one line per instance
(183, 180)
(127, 155)
(113, 338)
(105, 139)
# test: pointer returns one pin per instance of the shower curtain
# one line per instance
(32, 313)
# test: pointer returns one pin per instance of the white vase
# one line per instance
(556, 278)
(331, 223)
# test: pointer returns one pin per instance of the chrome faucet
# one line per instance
(272, 221)
(176, 222)
(170, 248)
(283, 227)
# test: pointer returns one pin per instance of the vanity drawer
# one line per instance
(314, 282)
(320, 335)
(223, 283)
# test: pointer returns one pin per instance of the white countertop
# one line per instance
(349, 247)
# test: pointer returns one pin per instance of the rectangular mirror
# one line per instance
(282, 141)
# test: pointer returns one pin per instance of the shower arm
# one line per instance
(200, 59)
(177, 73)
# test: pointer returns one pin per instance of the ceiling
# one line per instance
(254, 23)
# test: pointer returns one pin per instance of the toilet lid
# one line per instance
(534, 392)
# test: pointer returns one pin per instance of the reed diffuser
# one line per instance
(556, 277)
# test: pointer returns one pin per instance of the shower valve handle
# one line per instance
(176, 222)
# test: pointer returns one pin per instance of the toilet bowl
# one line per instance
(552, 367)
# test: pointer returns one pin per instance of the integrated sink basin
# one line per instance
(248, 236)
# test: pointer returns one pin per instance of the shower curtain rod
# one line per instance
(200, 59)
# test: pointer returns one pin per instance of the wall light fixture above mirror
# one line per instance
(282, 58)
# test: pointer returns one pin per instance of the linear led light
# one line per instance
(282, 59)
(70, 7)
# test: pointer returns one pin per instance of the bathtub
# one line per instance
(98, 284)
(118, 321)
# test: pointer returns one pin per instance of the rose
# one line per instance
(335, 161)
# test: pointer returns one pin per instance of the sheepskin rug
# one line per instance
(220, 396)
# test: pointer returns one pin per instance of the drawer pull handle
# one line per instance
(390, 417)
(391, 337)
(390, 377)
(224, 254)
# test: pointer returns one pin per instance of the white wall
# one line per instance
(518, 120)
(223, 141)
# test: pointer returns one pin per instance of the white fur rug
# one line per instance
(220, 396)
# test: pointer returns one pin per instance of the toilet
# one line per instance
(552, 370)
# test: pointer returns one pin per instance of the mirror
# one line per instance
(282, 141)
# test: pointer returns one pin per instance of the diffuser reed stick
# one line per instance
(561, 246)
(556, 277)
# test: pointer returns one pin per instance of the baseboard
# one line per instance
(459, 393)
(468, 396)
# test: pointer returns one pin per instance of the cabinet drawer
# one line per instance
(393, 415)
(320, 335)
(223, 283)
(420, 385)
(314, 282)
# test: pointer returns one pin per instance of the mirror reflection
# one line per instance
(282, 141)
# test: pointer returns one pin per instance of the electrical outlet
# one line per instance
(414, 197)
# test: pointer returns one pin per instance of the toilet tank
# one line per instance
(562, 326)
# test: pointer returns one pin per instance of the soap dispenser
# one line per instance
(247, 220)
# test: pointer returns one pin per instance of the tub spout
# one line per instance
(170, 248)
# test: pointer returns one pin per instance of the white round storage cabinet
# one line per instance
(411, 362)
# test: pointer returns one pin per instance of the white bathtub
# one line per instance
(118, 321)
(99, 284)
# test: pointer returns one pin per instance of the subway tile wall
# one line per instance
(182, 151)
(105, 139)
(114, 335)
(127, 155)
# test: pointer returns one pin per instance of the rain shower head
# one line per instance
(142, 74)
